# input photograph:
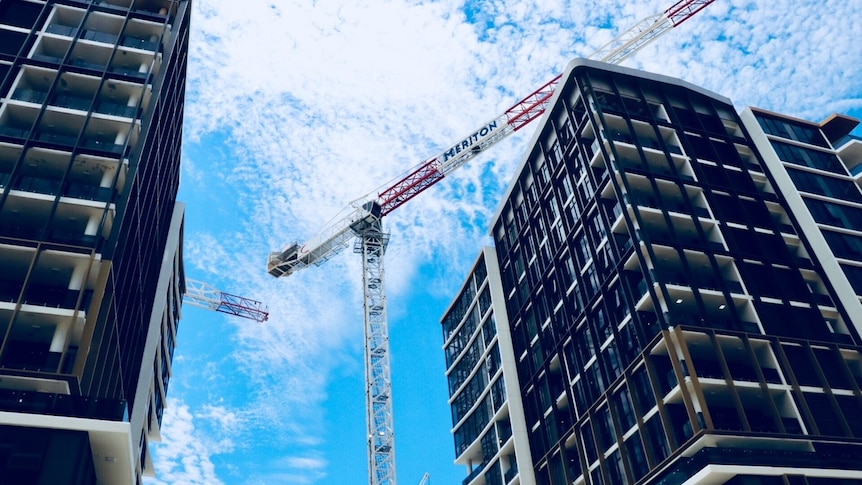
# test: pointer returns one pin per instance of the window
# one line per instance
(623, 406)
(833, 214)
(854, 275)
(809, 158)
(844, 245)
(793, 131)
(837, 188)
(803, 368)
(605, 435)
(636, 456)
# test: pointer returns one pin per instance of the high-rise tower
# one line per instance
(674, 315)
(91, 112)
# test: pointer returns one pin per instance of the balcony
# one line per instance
(511, 473)
(33, 356)
(80, 103)
(32, 402)
(55, 296)
(152, 8)
(100, 144)
(14, 131)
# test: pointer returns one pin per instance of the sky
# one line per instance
(294, 109)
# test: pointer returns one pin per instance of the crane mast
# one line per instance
(362, 220)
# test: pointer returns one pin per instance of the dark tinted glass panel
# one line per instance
(833, 368)
(802, 366)
(793, 131)
(829, 186)
(844, 245)
(11, 42)
(835, 214)
(828, 422)
(19, 14)
(854, 274)
(792, 321)
(808, 157)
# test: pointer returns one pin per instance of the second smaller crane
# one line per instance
(204, 295)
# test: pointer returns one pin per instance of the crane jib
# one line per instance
(471, 140)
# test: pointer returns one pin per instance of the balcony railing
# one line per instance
(14, 131)
(63, 405)
(36, 233)
(137, 43)
(475, 473)
(70, 140)
(109, 4)
(74, 190)
(33, 356)
(62, 30)
(89, 192)
(37, 185)
(82, 103)
(43, 295)
(55, 296)
(131, 71)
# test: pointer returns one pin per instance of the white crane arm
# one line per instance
(326, 243)
(204, 295)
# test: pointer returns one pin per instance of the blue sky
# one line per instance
(296, 108)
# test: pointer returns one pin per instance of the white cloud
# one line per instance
(184, 456)
(296, 108)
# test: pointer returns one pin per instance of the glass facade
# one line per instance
(824, 182)
(665, 311)
(91, 111)
(481, 422)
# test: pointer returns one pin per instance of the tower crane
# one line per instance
(362, 219)
(204, 295)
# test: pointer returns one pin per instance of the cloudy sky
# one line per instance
(296, 108)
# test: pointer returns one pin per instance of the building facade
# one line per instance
(91, 111)
(675, 316)
(488, 422)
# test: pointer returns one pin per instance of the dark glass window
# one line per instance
(803, 368)
(833, 368)
(756, 244)
(609, 101)
(589, 444)
(623, 406)
(742, 211)
(828, 422)
(854, 275)
(642, 390)
(19, 14)
(852, 411)
(823, 185)
(791, 321)
(809, 158)
(793, 131)
(616, 472)
(680, 424)
(636, 457)
(844, 245)
(656, 438)
(774, 281)
(11, 42)
(605, 434)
